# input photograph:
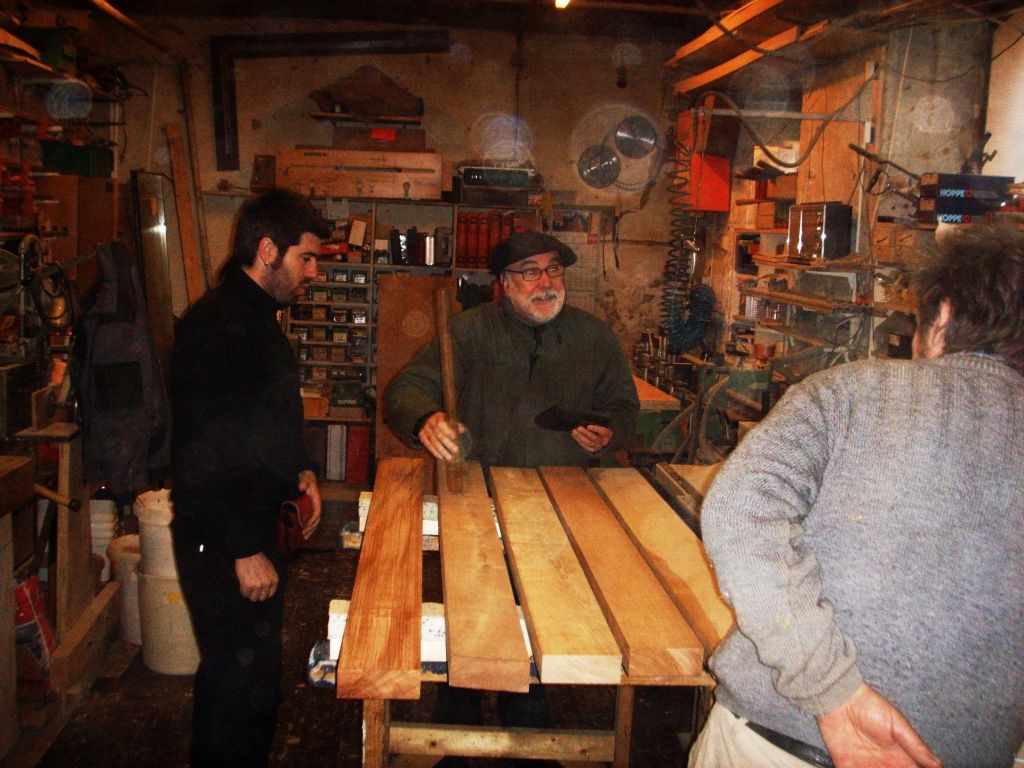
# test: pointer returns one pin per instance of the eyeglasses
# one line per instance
(532, 274)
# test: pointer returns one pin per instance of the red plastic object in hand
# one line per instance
(295, 515)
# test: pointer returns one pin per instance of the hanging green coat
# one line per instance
(508, 372)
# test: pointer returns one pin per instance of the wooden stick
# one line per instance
(60, 498)
(453, 470)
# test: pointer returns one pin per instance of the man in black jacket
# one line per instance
(237, 455)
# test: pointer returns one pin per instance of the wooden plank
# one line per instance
(17, 475)
(570, 638)
(652, 398)
(322, 171)
(74, 540)
(831, 169)
(485, 641)
(733, 21)
(380, 658)
(673, 551)
(195, 275)
(376, 733)
(653, 635)
(495, 742)
(774, 43)
(623, 724)
(86, 638)
(405, 322)
(8, 665)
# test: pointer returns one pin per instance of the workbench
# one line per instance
(16, 480)
(614, 587)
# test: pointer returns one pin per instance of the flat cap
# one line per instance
(523, 245)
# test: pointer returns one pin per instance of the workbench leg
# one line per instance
(75, 587)
(376, 732)
(623, 724)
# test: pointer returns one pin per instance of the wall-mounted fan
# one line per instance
(617, 146)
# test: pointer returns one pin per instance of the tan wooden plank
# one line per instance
(652, 398)
(405, 322)
(653, 635)
(86, 638)
(336, 172)
(733, 21)
(774, 43)
(376, 733)
(75, 588)
(485, 642)
(673, 551)
(380, 657)
(195, 275)
(494, 742)
(570, 638)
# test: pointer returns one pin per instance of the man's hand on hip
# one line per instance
(257, 577)
(592, 437)
(867, 731)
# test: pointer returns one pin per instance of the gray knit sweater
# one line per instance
(872, 528)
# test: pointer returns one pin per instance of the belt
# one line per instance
(806, 752)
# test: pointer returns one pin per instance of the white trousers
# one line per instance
(726, 742)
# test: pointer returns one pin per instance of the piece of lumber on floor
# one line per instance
(380, 658)
(673, 551)
(86, 637)
(485, 642)
(570, 638)
(491, 741)
(653, 635)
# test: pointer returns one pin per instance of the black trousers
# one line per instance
(238, 683)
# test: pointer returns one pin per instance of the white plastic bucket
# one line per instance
(125, 556)
(155, 512)
(168, 642)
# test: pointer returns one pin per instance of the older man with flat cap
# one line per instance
(514, 359)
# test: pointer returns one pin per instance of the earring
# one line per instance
(266, 264)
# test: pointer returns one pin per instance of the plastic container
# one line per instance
(125, 555)
(168, 641)
(155, 512)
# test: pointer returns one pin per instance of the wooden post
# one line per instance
(623, 724)
(452, 472)
(376, 725)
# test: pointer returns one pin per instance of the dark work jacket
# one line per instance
(508, 372)
(237, 442)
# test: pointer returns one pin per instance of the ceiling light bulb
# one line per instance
(562, 3)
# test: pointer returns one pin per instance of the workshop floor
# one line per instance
(140, 718)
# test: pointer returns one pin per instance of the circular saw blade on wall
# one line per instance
(617, 145)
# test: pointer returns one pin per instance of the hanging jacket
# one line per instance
(126, 422)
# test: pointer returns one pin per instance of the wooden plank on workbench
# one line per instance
(486, 649)
(673, 551)
(380, 655)
(570, 638)
(654, 637)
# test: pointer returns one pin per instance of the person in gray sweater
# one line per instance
(869, 534)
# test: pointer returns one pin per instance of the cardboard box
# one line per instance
(327, 172)
(314, 406)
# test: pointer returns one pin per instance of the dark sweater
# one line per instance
(237, 446)
(508, 372)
